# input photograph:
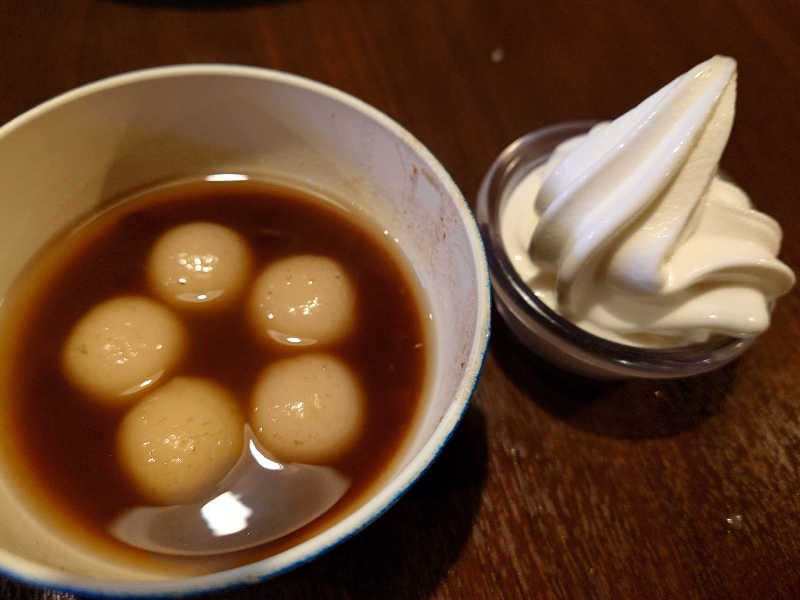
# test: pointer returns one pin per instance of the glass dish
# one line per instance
(543, 330)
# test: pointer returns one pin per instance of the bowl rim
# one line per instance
(32, 573)
(531, 319)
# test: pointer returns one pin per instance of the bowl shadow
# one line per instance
(625, 409)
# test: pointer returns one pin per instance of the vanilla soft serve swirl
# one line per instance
(635, 237)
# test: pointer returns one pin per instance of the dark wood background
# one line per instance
(552, 487)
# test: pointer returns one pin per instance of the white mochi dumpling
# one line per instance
(121, 347)
(199, 266)
(308, 409)
(303, 300)
(177, 442)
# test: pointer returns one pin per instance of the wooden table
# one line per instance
(552, 487)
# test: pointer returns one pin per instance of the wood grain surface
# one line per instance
(553, 486)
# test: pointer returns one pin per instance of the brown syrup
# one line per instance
(67, 442)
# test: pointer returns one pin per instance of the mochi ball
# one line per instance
(177, 442)
(303, 300)
(121, 347)
(307, 409)
(199, 266)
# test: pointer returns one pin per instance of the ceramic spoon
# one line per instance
(258, 500)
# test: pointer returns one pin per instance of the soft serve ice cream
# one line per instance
(630, 232)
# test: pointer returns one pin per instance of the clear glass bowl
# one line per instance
(543, 330)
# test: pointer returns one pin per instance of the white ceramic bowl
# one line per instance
(65, 157)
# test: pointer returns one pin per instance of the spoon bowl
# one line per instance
(259, 500)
